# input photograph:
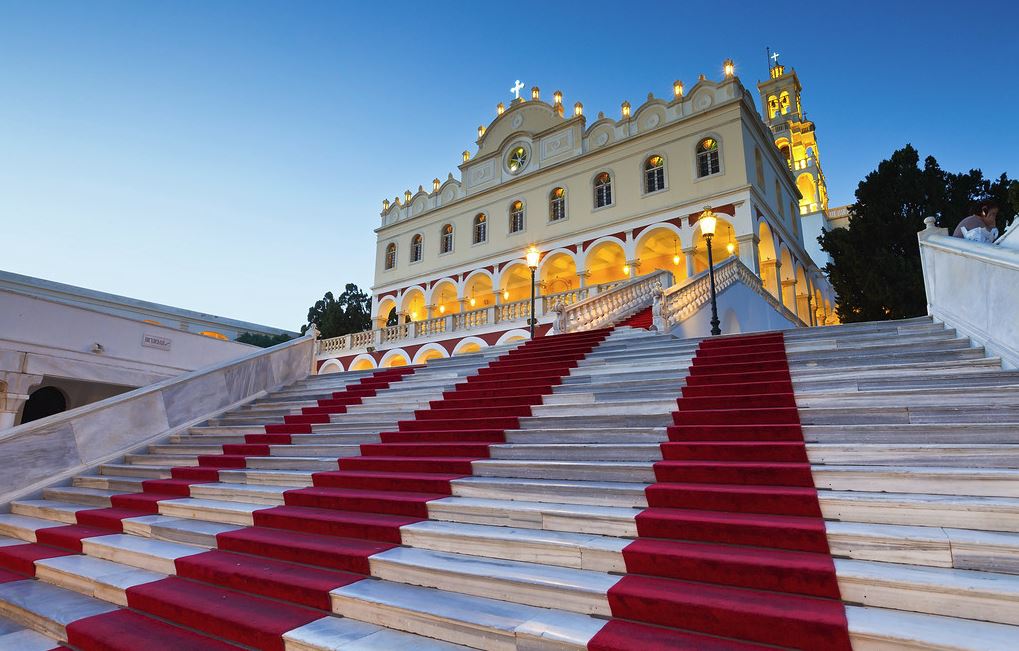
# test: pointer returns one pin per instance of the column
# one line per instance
(634, 266)
(582, 277)
(789, 294)
(430, 311)
(748, 252)
(380, 321)
(803, 307)
(14, 387)
(769, 276)
(689, 254)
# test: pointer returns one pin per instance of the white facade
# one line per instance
(132, 308)
(81, 355)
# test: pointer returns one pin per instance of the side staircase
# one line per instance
(823, 488)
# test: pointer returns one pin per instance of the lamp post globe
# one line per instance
(532, 258)
(708, 221)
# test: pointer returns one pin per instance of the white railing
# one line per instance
(684, 300)
(971, 286)
(516, 311)
(609, 305)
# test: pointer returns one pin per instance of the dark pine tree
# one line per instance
(347, 313)
(875, 263)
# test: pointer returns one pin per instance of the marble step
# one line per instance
(544, 586)
(885, 629)
(613, 471)
(47, 609)
(280, 450)
(548, 516)
(903, 415)
(934, 379)
(477, 622)
(595, 448)
(932, 433)
(132, 470)
(267, 463)
(921, 396)
(983, 596)
(15, 637)
(583, 435)
(635, 407)
(661, 419)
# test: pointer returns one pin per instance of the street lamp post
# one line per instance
(532, 264)
(708, 222)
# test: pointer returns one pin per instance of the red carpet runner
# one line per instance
(732, 552)
(642, 319)
(323, 536)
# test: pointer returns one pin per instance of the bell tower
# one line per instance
(794, 134)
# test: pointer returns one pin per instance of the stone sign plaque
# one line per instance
(156, 341)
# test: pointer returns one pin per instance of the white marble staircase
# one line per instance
(910, 433)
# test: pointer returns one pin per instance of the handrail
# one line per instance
(682, 301)
(605, 307)
(58, 446)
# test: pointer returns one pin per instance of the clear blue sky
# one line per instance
(231, 157)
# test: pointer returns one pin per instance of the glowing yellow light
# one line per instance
(626, 109)
(467, 156)
(730, 247)
(500, 109)
(557, 97)
(677, 88)
(473, 302)
(505, 294)
(413, 316)
(532, 257)
(435, 185)
(578, 109)
(442, 309)
(729, 67)
(708, 221)
(675, 259)
(626, 268)
(535, 93)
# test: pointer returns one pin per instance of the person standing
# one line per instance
(980, 226)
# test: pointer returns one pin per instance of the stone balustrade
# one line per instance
(51, 449)
(610, 304)
(971, 286)
(514, 313)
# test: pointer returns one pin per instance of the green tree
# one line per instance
(349, 312)
(875, 263)
(263, 341)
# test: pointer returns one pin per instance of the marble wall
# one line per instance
(47, 450)
(971, 286)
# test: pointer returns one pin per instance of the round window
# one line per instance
(517, 159)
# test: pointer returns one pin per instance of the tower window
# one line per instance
(557, 205)
(415, 248)
(390, 256)
(759, 163)
(480, 228)
(783, 102)
(446, 241)
(516, 216)
(707, 158)
(654, 174)
(602, 190)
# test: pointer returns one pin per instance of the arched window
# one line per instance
(707, 158)
(654, 174)
(759, 163)
(783, 102)
(480, 228)
(778, 199)
(390, 255)
(446, 239)
(516, 216)
(772, 106)
(557, 205)
(602, 190)
(415, 248)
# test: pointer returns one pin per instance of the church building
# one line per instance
(603, 200)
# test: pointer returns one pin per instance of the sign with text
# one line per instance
(156, 341)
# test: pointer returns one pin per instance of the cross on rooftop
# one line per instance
(774, 58)
(516, 89)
